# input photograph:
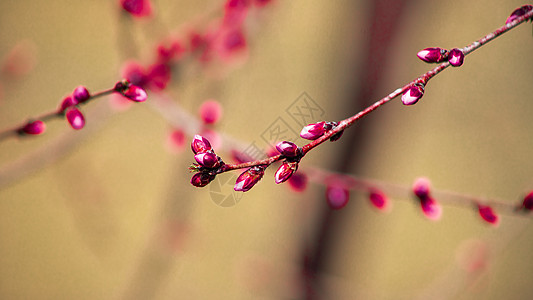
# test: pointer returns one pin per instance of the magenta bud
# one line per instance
(207, 159)
(517, 13)
(135, 93)
(527, 204)
(456, 57)
(379, 200)
(81, 94)
(421, 188)
(487, 213)
(313, 131)
(33, 127)
(75, 118)
(210, 111)
(431, 208)
(137, 8)
(249, 178)
(130, 91)
(201, 179)
(337, 196)
(285, 172)
(288, 149)
(200, 144)
(298, 182)
(69, 101)
(413, 94)
(432, 55)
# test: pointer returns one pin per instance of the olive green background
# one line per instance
(115, 215)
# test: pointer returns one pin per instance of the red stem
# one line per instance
(54, 114)
(424, 78)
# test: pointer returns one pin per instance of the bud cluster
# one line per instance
(207, 161)
(430, 207)
(69, 107)
(438, 55)
(293, 154)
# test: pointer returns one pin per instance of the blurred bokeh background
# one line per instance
(108, 212)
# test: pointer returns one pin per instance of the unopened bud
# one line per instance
(313, 131)
(413, 94)
(249, 178)
(432, 55)
(288, 149)
(337, 196)
(81, 94)
(527, 204)
(201, 179)
(33, 127)
(285, 172)
(456, 57)
(75, 118)
(517, 13)
(487, 213)
(200, 144)
(207, 159)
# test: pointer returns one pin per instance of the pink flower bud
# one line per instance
(210, 111)
(33, 127)
(488, 214)
(81, 94)
(235, 12)
(298, 182)
(69, 101)
(288, 149)
(413, 94)
(249, 178)
(431, 208)
(337, 196)
(233, 41)
(517, 13)
(456, 57)
(176, 140)
(432, 55)
(527, 204)
(137, 8)
(379, 200)
(207, 159)
(285, 171)
(200, 144)
(135, 73)
(159, 76)
(201, 179)
(313, 131)
(75, 118)
(130, 91)
(421, 187)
